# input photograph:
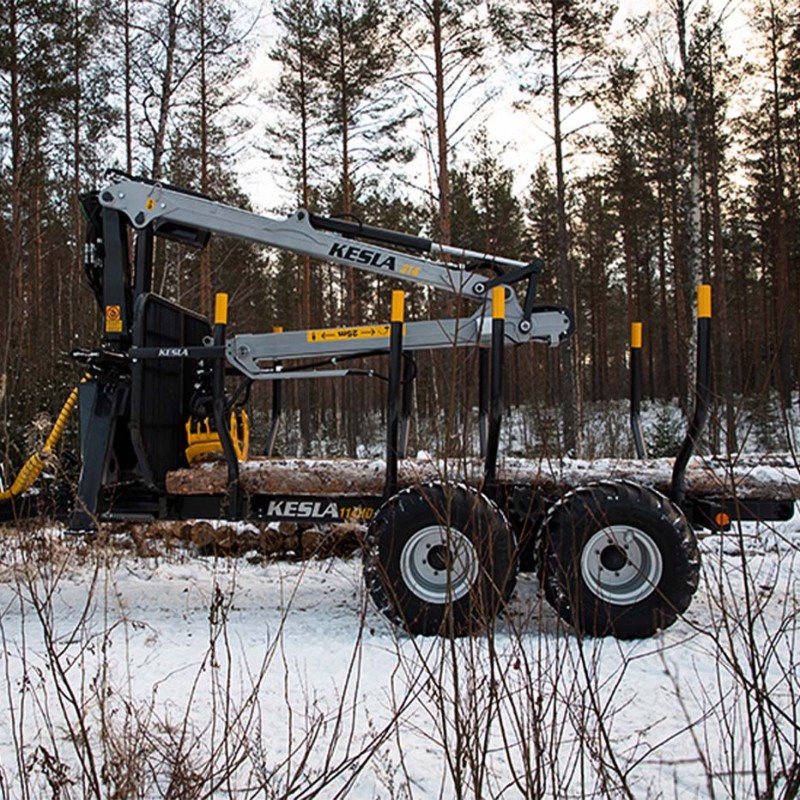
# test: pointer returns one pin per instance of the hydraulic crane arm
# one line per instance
(249, 353)
(150, 202)
(177, 213)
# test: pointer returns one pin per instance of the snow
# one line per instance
(235, 673)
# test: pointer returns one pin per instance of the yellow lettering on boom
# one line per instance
(348, 334)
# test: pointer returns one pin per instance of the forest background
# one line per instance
(667, 153)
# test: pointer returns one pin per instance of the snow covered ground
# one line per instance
(181, 676)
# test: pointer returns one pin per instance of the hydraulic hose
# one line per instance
(33, 467)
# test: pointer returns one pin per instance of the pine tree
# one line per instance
(601, 305)
(208, 127)
(774, 129)
(293, 138)
(35, 89)
(355, 59)
(712, 73)
(540, 240)
(166, 55)
(563, 43)
(693, 247)
(487, 216)
(446, 77)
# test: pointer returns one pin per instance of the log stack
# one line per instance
(762, 477)
(745, 477)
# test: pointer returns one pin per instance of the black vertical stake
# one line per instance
(395, 373)
(496, 399)
(702, 394)
(234, 509)
(277, 408)
(636, 389)
(483, 398)
(409, 370)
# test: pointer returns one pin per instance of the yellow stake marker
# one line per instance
(398, 303)
(704, 301)
(499, 302)
(221, 309)
(636, 335)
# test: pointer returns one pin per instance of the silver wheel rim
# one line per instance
(439, 564)
(621, 565)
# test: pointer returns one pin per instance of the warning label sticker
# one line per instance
(113, 319)
(348, 334)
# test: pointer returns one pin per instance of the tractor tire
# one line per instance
(440, 560)
(618, 559)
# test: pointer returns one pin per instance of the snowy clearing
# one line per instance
(182, 676)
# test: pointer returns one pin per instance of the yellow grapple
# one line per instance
(202, 439)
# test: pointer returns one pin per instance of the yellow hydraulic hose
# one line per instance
(33, 467)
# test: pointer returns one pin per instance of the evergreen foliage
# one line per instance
(157, 88)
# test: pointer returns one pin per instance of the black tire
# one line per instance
(618, 559)
(434, 572)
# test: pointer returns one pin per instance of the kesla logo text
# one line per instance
(302, 509)
(172, 352)
(361, 255)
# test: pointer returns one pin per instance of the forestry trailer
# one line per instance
(440, 555)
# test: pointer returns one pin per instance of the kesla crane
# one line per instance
(154, 351)
(614, 558)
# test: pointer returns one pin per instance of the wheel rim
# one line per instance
(439, 564)
(621, 564)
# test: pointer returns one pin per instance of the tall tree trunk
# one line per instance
(668, 387)
(679, 332)
(352, 402)
(34, 297)
(569, 398)
(128, 87)
(205, 256)
(725, 347)
(306, 316)
(70, 323)
(783, 316)
(347, 201)
(15, 271)
(165, 104)
(308, 313)
(694, 256)
(441, 126)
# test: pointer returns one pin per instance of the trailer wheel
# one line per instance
(618, 559)
(434, 572)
